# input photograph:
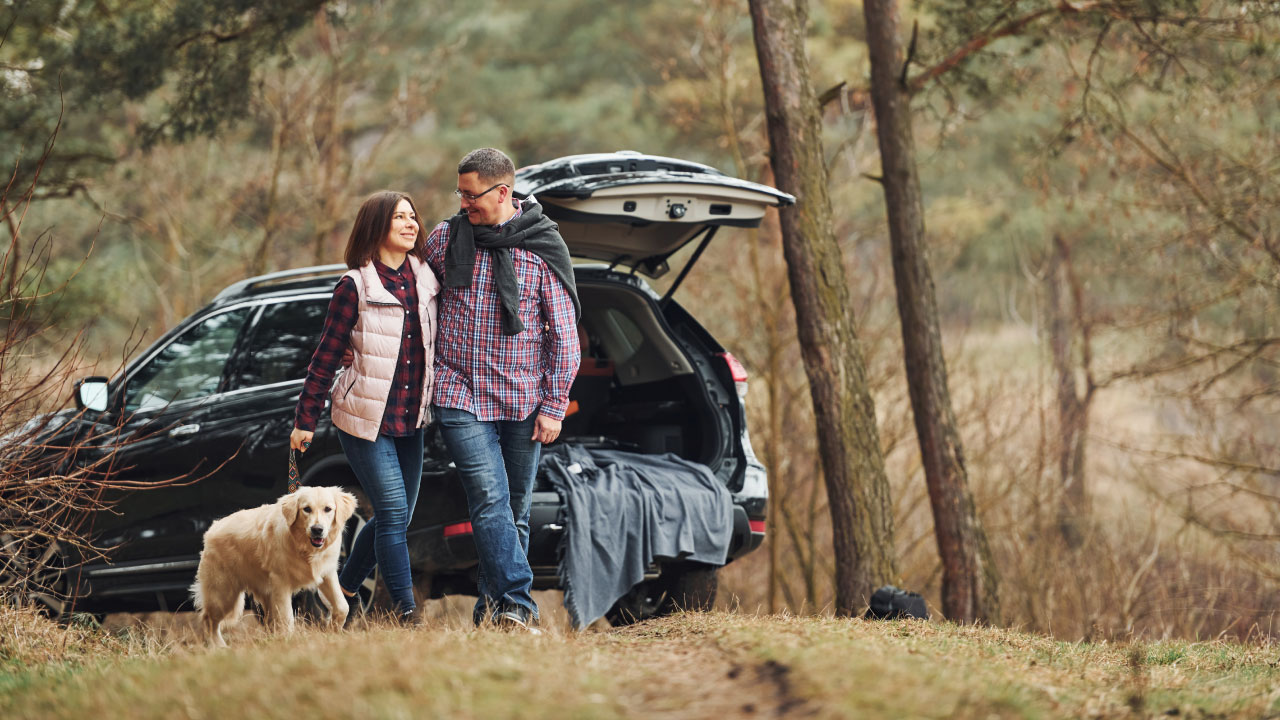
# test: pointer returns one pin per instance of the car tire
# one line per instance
(307, 606)
(681, 586)
(33, 573)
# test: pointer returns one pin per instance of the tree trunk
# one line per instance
(969, 579)
(332, 190)
(280, 121)
(1073, 413)
(848, 439)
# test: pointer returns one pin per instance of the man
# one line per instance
(506, 354)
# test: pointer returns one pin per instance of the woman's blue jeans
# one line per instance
(497, 462)
(390, 472)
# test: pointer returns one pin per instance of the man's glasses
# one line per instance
(472, 198)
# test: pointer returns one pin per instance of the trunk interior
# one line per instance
(636, 389)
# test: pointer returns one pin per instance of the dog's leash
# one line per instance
(293, 466)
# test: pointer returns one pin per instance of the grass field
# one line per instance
(714, 665)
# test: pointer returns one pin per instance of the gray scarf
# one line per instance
(531, 231)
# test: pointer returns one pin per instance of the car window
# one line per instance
(283, 341)
(191, 366)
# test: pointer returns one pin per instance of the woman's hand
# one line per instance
(300, 439)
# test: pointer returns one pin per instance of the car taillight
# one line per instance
(738, 373)
(458, 529)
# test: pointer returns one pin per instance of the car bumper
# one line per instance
(450, 548)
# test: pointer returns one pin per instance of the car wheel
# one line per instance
(640, 603)
(681, 586)
(33, 572)
(307, 605)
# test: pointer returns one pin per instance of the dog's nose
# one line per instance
(317, 532)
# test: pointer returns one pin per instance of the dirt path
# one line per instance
(709, 680)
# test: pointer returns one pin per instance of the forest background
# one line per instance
(1101, 220)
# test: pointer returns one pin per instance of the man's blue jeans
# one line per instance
(390, 471)
(497, 462)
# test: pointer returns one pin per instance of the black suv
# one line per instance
(219, 391)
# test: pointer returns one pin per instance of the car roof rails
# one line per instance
(239, 288)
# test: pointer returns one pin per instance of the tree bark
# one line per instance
(848, 438)
(1073, 412)
(280, 121)
(969, 578)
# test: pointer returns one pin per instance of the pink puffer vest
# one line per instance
(360, 392)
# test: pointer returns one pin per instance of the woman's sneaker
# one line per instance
(406, 620)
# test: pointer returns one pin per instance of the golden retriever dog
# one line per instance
(271, 552)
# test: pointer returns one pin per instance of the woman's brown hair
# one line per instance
(373, 222)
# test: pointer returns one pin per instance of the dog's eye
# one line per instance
(307, 509)
(328, 509)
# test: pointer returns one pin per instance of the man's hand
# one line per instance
(300, 439)
(545, 429)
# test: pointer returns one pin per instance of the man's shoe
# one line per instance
(516, 619)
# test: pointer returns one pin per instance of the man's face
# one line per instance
(488, 208)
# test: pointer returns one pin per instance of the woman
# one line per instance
(384, 311)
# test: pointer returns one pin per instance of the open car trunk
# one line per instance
(636, 388)
(652, 380)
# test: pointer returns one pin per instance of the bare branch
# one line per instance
(978, 42)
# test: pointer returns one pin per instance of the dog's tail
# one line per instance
(197, 593)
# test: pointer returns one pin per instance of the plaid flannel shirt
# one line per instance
(495, 376)
(401, 416)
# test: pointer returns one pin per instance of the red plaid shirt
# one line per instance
(401, 416)
(495, 376)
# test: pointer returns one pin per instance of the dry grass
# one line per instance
(713, 665)
(28, 639)
(1144, 570)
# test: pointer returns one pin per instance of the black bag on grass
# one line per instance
(890, 603)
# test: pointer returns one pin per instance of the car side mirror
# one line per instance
(91, 394)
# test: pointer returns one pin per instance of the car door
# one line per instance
(170, 438)
(266, 380)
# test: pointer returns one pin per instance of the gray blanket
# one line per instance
(623, 511)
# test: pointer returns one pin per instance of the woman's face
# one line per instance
(404, 229)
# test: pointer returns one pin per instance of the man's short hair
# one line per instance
(489, 163)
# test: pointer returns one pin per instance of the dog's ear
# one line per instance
(289, 508)
(346, 506)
